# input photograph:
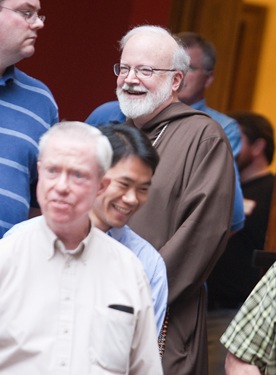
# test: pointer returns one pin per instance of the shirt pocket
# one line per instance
(111, 334)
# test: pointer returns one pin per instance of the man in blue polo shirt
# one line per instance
(27, 110)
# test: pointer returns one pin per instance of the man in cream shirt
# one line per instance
(73, 300)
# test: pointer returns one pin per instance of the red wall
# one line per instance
(76, 50)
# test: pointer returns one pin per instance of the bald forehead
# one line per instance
(151, 46)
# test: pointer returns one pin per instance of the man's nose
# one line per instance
(131, 77)
(62, 182)
(38, 24)
(130, 197)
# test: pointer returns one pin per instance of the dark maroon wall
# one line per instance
(76, 50)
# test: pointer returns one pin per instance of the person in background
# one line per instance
(27, 110)
(72, 299)
(198, 78)
(188, 213)
(109, 112)
(251, 337)
(234, 276)
(197, 81)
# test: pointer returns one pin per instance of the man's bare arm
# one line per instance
(235, 366)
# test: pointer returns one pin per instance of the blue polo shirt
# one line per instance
(105, 113)
(27, 110)
(229, 125)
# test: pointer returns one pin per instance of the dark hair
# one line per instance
(191, 39)
(128, 141)
(256, 126)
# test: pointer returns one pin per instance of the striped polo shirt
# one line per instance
(27, 110)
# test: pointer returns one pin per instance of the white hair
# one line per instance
(85, 133)
(180, 58)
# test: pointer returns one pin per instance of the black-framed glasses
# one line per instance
(29, 16)
(141, 71)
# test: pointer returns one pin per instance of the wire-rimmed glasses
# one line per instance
(28, 15)
(141, 71)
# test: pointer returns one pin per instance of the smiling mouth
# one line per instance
(122, 210)
(135, 92)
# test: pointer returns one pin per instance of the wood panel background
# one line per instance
(231, 26)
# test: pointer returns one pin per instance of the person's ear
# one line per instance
(103, 185)
(209, 80)
(177, 80)
(258, 146)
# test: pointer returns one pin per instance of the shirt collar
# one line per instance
(116, 232)
(8, 76)
(199, 105)
(57, 245)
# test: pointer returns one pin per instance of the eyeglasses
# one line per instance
(29, 16)
(141, 71)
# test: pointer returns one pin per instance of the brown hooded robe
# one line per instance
(187, 218)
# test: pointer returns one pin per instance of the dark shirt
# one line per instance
(234, 277)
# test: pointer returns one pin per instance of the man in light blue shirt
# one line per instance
(133, 165)
(154, 267)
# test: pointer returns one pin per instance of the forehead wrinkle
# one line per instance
(64, 153)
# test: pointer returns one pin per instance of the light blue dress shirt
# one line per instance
(154, 267)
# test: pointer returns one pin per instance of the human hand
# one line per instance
(235, 366)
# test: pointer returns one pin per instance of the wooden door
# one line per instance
(247, 56)
(231, 26)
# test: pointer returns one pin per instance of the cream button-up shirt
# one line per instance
(60, 313)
